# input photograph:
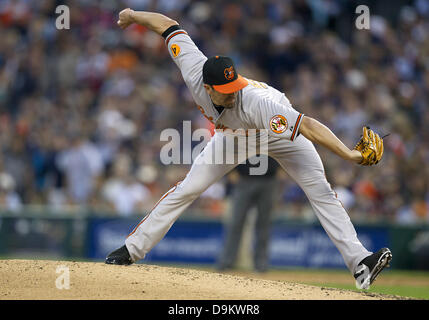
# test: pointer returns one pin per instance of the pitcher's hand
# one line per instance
(125, 18)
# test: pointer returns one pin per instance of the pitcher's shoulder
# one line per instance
(250, 98)
(252, 93)
(253, 96)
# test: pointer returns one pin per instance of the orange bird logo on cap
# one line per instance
(229, 73)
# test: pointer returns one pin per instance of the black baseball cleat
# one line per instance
(120, 256)
(369, 268)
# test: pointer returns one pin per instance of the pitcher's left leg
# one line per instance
(302, 162)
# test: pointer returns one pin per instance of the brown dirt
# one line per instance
(36, 280)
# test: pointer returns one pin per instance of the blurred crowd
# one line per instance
(82, 109)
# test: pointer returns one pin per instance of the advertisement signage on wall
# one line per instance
(187, 242)
(293, 244)
(201, 242)
(310, 246)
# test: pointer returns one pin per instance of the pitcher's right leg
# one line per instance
(159, 220)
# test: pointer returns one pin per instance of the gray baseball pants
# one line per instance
(298, 158)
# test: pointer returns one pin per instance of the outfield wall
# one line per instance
(293, 244)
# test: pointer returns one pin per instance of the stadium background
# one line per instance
(81, 112)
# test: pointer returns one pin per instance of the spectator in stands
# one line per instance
(9, 199)
(122, 191)
(51, 80)
(82, 165)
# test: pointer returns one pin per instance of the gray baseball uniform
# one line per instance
(258, 107)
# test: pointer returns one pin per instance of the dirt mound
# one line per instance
(39, 279)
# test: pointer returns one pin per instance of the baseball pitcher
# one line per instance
(232, 102)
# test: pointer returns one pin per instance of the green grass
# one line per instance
(397, 290)
(408, 273)
(403, 290)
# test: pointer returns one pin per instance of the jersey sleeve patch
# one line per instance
(175, 50)
(278, 124)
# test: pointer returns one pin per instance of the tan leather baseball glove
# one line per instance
(370, 146)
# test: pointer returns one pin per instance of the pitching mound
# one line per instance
(36, 279)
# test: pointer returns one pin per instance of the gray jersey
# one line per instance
(258, 105)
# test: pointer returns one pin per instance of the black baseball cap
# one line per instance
(220, 73)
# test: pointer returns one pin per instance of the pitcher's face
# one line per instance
(221, 99)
